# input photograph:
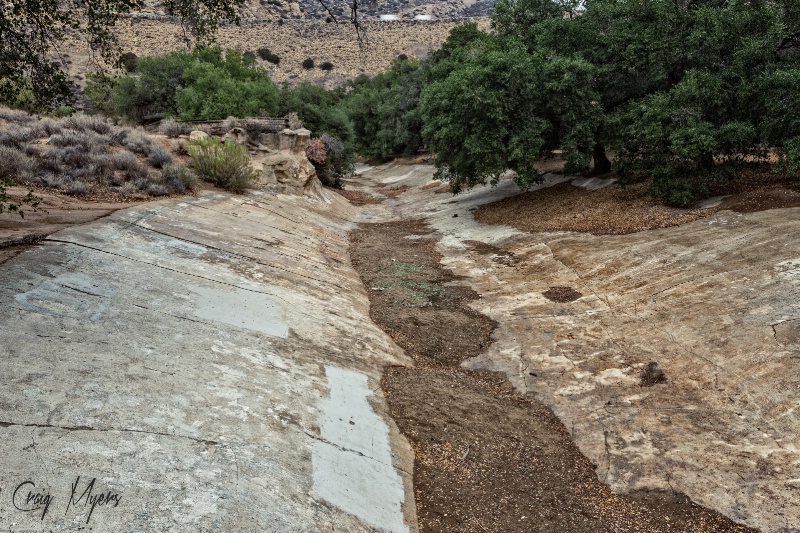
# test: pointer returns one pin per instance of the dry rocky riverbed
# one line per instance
(668, 357)
(549, 380)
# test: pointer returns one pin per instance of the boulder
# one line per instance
(287, 170)
(198, 135)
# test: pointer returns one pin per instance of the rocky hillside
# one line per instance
(292, 41)
(370, 9)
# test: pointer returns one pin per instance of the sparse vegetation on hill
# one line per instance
(342, 10)
(291, 41)
(86, 155)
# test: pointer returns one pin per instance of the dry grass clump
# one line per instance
(172, 128)
(14, 163)
(86, 155)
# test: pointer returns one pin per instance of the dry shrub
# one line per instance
(81, 122)
(171, 128)
(316, 151)
(15, 116)
(159, 157)
(179, 179)
(86, 155)
(14, 164)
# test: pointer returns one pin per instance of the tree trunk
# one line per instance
(602, 165)
(706, 161)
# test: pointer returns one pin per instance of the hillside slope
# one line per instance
(370, 9)
(292, 41)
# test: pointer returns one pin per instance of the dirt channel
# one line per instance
(487, 458)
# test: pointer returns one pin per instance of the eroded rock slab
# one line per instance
(168, 369)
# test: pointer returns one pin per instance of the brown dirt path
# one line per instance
(487, 458)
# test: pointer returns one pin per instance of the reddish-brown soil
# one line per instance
(431, 185)
(759, 188)
(487, 458)
(561, 294)
(565, 207)
(358, 197)
(394, 192)
(621, 210)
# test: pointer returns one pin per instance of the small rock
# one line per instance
(652, 375)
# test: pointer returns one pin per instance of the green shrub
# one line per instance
(789, 162)
(218, 86)
(308, 63)
(268, 55)
(384, 110)
(63, 111)
(129, 61)
(326, 66)
(224, 164)
(152, 91)
(678, 191)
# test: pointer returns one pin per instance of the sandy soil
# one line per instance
(487, 458)
(56, 212)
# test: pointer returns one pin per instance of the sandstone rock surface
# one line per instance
(187, 360)
(286, 169)
(714, 303)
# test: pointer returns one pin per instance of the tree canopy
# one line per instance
(686, 92)
(682, 91)
(30, 31)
